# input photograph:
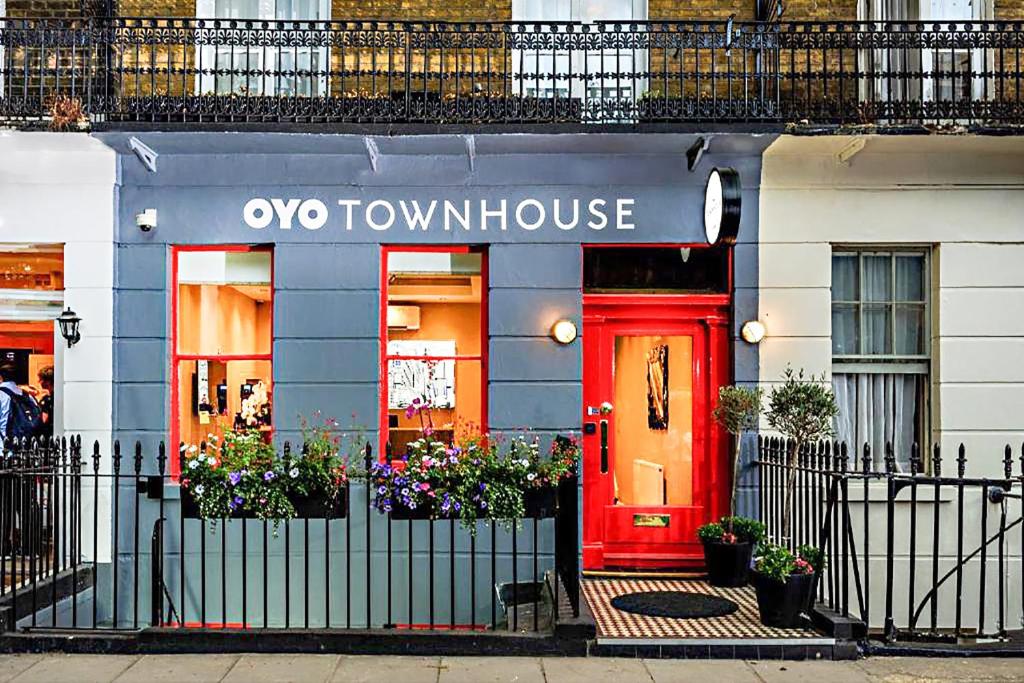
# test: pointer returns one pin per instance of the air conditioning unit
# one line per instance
(403, 317)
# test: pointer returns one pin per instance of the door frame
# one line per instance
(711, 314)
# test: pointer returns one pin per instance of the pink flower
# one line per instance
(424, 486)
(409, 412)
(427, 431)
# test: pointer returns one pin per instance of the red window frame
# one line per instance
(177, 357)
(385, 357)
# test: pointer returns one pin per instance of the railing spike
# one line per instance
(866, 462)
(937, 460)
(1008, 462)
(915, 459)
(961, 461)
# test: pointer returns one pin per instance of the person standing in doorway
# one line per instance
(45, 399)
(20, 415)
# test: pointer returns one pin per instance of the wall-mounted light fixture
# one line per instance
(753, 331)
(68, 322)
(564, 331)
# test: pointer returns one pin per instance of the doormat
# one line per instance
(675, 605)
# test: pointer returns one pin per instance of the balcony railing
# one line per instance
(376, 72)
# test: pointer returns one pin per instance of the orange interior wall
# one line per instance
(220, 320)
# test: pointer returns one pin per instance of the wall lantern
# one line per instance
(69, 327)
(564, 331)
(753, 331)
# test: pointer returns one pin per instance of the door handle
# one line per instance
(589, 428)
(604, 446)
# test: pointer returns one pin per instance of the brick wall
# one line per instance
(42, 8)
(450, 10)
(1009, 9)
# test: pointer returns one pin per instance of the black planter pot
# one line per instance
(540, 502)
(728, 563)
(421, 512)
(781, 604)
(320, 508)
(307, 507)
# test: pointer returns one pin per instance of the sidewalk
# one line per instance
(57, 668)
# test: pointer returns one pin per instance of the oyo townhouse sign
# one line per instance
(446, 215)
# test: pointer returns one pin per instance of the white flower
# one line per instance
(531, 476)
(199, 489)
(193, 448)
(293, 472)
(193, 464)
(524, 462)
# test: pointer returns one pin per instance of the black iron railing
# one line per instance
(96, 541)
(913, 551)
(176, 70)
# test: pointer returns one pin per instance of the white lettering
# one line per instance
(312, 214)
(417, 219)
(348, 204)
(486, 213)
(557, 213)
(285, 212)
(594, 211)
(369, 214)
(450, 211)
(258, 213)
(622, 213)
(540, 214)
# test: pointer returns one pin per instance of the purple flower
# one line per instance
(239, 500)
(235, 477)
(268, 476)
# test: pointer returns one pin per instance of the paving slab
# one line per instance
(12, 665)
(833, 672)
(59, 668)
(694, 670)
(491, 670)
(371, 669)
(582, 670)
(899, 669)
(179, 669)
(283, 669)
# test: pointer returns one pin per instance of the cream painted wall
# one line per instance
(59, 188)
(964, 197)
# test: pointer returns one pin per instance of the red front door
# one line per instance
(654, 465)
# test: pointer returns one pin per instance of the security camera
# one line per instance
(146, 220)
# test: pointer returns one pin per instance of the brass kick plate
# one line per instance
(655, 521)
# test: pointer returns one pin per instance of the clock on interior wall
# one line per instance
(722, 206)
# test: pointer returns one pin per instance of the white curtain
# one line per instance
(877, 409)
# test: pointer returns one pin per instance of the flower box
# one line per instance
(421, 512)
(306, 507)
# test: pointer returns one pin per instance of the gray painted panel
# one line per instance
(353, 405)
(536, 405)
(536, 265)
(141, 407)
(141, 266)
(330, 360)
(140, 313)
(312, 314)
(327, 266)
(531, 312)
(140, 360)
(537, 359)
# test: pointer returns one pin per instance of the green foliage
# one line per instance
(743, 530)
(738, 408)
(802, 408)
(778, 562)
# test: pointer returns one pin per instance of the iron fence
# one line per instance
(915, 553)
(112, 547)
(187, 70)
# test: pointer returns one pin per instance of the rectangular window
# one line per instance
(651, 270)
(434, 344)
(880, 349)
(223, 309)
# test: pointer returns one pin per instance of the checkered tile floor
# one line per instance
(741, 624)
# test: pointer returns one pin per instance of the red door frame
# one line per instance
(610, 538)
(175, 464)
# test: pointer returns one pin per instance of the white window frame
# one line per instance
(891, 363)
(207, 83)
(580, 63)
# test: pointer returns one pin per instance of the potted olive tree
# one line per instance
(801, 409)
(730, 542)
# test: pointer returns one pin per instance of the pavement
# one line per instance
(59, 668)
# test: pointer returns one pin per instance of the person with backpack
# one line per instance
(20, 415)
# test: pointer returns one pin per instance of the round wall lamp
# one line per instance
(68, 322)
(753, 331)
(564, 331)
